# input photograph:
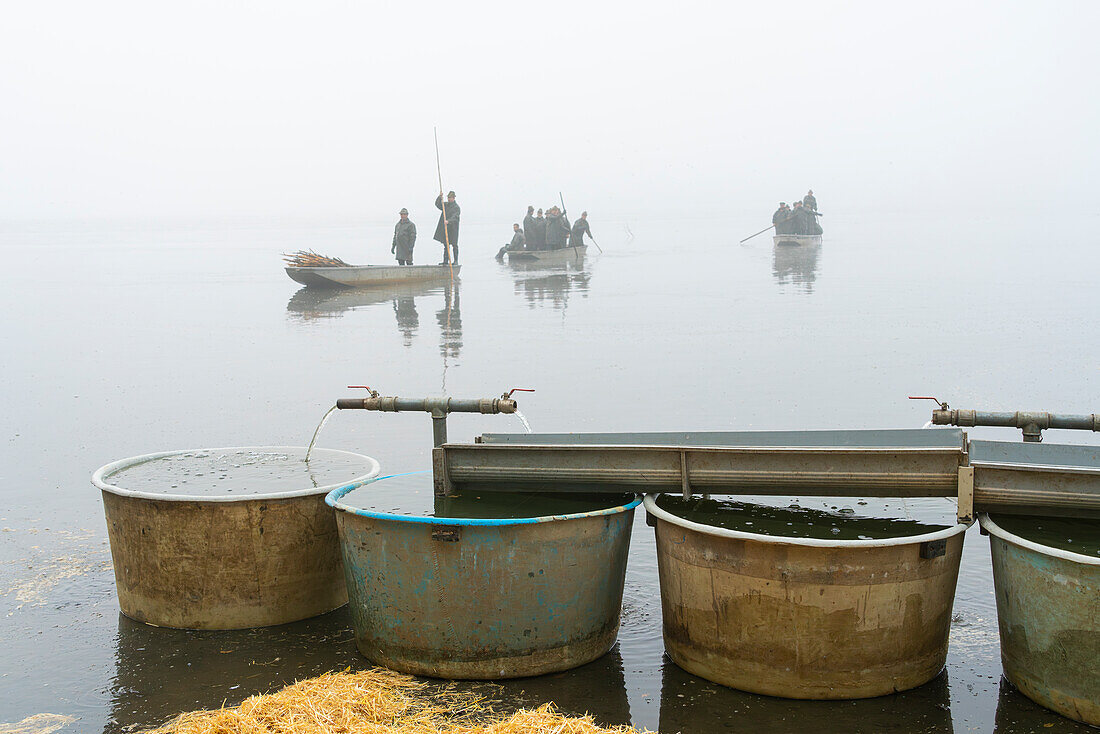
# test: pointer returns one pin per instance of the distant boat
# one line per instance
(560, 255)
(368, 275)
(794, 240)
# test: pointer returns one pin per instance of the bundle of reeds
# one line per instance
(377, 701)
(310, 259)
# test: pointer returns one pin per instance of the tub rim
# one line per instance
(100, 474)
(662, 514)
(332, 499)
(997, 531)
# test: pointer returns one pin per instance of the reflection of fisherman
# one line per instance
(557, 229)
(408, 320)
(404, 239)
(451, 212)
(580, 229)
(518, 242)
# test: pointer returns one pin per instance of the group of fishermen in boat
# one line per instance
(800, 219)
(551, 231)
(539, 232)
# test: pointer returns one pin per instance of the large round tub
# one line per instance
(805, 617)
(484, 598)
(223, 561)
(1048, 612)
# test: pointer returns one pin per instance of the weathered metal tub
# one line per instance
(223, 561)
(1048, 612)
(467, 598)
(805, 617)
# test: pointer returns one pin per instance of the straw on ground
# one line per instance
(377, 701)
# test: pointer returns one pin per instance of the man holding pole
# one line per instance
(580, 229)
(446, 232)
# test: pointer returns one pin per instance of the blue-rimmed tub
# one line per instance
(483, 598)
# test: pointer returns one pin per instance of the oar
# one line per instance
(758, 233)
(446, 236)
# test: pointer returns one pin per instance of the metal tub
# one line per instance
(484, 598)
(805, 617)
(1048, 612)
(223, 561)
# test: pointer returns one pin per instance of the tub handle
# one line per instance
(933, 548)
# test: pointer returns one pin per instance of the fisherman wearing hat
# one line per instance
(810, 200)
(780, 218)
(557, 229)
(537, 239)
(529, 225)
(447, 233)
(580, 229)
(404, 239)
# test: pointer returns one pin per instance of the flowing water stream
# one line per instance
(317, 432)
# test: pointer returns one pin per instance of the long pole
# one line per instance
(443, 204)
(597, 244)
(760, 232)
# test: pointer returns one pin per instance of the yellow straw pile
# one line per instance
(376, 701)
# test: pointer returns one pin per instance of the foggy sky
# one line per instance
(672, 109)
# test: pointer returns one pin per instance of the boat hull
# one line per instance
(368, 275)
(563, 254)
(796, 240)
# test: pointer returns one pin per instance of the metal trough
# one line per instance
(223, 561)
(483, 598)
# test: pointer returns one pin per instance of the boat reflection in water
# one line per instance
(316, 304)
(796, 265)
(693, 704)
(550, 284)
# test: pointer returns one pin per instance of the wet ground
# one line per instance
(127, 338)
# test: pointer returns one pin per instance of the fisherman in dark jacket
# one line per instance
(537, 239)
(801, 218)
(529, 224)
(557, 229)
(519, 242)
(580, 229)
(809, 200)
(450, 213)
(404, 239)
(779, 219)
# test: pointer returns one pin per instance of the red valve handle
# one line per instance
(518, 389)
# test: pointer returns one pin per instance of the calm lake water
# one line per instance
(127, 338)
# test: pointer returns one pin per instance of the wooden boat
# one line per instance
(368, 275)
(560, 255)
(789, 240)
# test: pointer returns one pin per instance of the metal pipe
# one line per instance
(1031, 423)
(486, 406)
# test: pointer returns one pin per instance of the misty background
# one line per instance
(326, 109)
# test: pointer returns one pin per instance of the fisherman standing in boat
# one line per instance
(537, 239)
(810, 200)
(404, 239)
(449, 213)
(800, 218)
(557, 229)
(781, 218)
(580, 229)
(529, 224)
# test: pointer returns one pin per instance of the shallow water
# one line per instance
(831, 519)
(412, 494)
(1077, 536)
(239, 472)
(204, 341)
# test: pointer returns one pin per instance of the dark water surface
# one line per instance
(412, 494)
(243, 472)
(128, 338)
(1076, 536)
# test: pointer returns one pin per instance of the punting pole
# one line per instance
(446, 236)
